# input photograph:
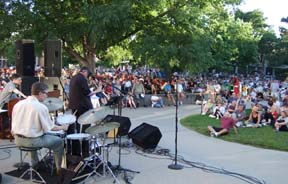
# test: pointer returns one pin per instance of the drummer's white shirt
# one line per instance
(31, 118)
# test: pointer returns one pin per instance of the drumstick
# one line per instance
(75, 112)
(78, 166)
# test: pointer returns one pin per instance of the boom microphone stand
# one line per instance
(119, 168)
(175, 165)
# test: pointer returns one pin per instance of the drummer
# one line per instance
(30, 122)
(80, 101)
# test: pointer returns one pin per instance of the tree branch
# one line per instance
(139, 28)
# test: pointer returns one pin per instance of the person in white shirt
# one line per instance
(30, 123)
(10, 91)
(156, 101)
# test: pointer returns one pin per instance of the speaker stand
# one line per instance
(176, 166)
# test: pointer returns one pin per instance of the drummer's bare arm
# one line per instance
(61, 127)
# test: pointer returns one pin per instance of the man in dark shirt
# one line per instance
(227, 122)
(79, 97)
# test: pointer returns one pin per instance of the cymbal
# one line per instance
(66, 119)
(93, 116)
(53, 104)
(97, 129)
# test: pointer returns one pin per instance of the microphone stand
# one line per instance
(119, 168)
(175, 165)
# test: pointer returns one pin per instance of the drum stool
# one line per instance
(30, 170)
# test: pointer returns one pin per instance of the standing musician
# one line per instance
(30, 122)
(80, 93)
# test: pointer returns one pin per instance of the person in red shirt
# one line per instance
(227, 122)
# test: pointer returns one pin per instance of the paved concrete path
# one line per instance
(267, 165)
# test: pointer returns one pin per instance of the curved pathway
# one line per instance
(268, 165)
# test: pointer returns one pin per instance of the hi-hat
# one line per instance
(93, 116)
(53, 104)
(98, 129)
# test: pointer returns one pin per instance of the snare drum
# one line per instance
(58, 133)
(66, 119)
(78, 144)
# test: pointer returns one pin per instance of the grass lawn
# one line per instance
(264, 137)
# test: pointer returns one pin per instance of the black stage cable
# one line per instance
(210, 169)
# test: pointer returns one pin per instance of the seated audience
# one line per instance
(207, 107)
(232, 107)
(218, 111)
(254, 118)
(130, 100)
(168, 93)
(157, 101)
(281, 123)
(227, 122)
(239, 115)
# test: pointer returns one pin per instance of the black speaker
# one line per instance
(25, 57)
(146, 136)
(125, 123)
(52, 58)
(26, 84)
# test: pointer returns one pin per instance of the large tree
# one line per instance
(187, 34)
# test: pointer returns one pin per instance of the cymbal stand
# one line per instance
(104, 162)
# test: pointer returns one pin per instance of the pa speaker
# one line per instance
(125, 123)
(146, 136)
(25, 57)
(26, 84)
(52, 58)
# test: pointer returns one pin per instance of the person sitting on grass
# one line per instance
(218, 111)
(239, 115)
(254, 118)
(281, 123)
(208, 107)
(227, 122)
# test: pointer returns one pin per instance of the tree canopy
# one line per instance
(192, 35)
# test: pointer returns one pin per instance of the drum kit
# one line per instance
(53, 104)
(87, 142)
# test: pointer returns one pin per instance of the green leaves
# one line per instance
(193, 35)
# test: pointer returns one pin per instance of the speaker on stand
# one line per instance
(25, 57)
(52, 58)
(25, 64)
(26, 84)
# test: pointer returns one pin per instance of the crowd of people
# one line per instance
(268, 100)
(224, 98)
